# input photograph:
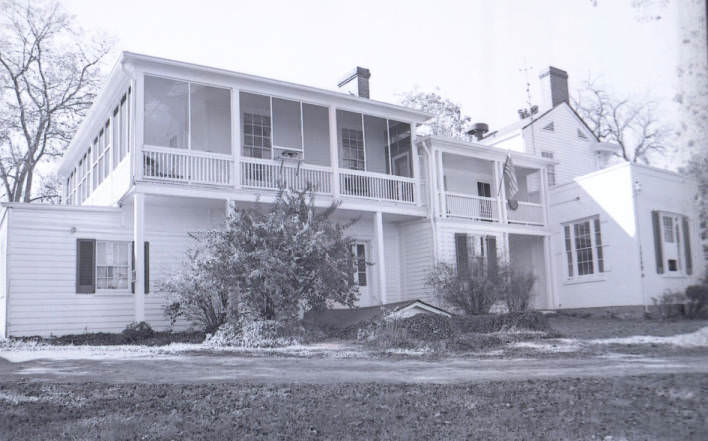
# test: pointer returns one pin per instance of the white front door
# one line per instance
(361, 274)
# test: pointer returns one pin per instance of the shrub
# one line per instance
(137, 332)
(697, 296)
(477, 291)
(670, 304)
(257, 334)
(266, 266)
(484, 324)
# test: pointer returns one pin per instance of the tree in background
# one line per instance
(632, 125)
(49, 74)
(449, 121)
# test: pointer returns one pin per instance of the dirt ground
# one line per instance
(652, 407)
(597, 327)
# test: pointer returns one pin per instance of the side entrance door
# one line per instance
(484, 189)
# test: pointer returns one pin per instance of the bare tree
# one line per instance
(632, 125)
(448, 118)
(49, 73)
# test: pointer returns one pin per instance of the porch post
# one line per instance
(380, 265)
(417, 190)
(544, 195)
(334, 150)
(550, 280)
(137, 108)
(236, 137)
(498, 196)
(504, 215)
(441, 183)
(139, 250)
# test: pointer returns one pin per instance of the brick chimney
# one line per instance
(554, 87)
(356, 82)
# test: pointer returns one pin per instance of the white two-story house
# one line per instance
(622, 233)
(168, 145)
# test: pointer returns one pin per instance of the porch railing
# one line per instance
(376, 186)
(189, 166)
(472, 207)
(529, 213)
(269, 174)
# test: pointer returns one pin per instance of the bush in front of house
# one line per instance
(266, 266)
(475, 291)
(136, 332)
(670, 304)
(257, 334)
(697, 296)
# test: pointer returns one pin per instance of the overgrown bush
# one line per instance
(478, 289)
(257, 334)
(266, 265)
(137, 332)
(670, 304)
(697, 296)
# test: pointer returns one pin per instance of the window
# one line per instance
(400, 140)
(107, 150)
(106, 265)
(550, 169)
(210, 113)
(584, 248)
(360, 264)
(549, 127)
(315, 128)
(672, 243)
(353, 149)
(582, 134)
(166, 112)
(287, 124)
(255, 117)
(112, 265)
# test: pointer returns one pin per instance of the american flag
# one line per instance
(512, 186)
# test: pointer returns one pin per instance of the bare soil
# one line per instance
(652, 407)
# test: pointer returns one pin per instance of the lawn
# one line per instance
(656, 407)
(599, 327)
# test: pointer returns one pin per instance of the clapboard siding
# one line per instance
(416, 245)
(3, 270)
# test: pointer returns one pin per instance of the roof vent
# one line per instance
(478, 130)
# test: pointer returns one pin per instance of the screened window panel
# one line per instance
(598, 246)
(376, 132)
(568, 250)
(583, 248)
(112, 265)
(287, 124)
(166, 112)
(116, 137)
(668, 223)
(210, 113)
(400, 135)
(315, 120)
(351, 140)
(256, 125)
(124, 127)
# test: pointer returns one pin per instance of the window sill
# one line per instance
(589, 279)
(675, 276)
(108, 293)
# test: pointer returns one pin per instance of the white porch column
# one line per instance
(544, 195)
(441, 183)
(550, 280)
(236, 136)
(498, 184)
(504, 214)
(139, 250)
(334, 150)
(136, 108)
(380, 259)
(417, 189)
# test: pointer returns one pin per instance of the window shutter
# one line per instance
(462, 255)
(147, 266)
(658, 250)
(687, 245)
(85, 266)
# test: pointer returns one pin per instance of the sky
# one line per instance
(479, 53)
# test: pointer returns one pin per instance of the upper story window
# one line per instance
(672, 243)
(184, 115)
(581, 134)
(550, 169)
(549, 127)
(272, 127)
(374, 144)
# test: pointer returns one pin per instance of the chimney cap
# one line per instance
(357, 72)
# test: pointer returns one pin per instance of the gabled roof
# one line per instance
(573, 111)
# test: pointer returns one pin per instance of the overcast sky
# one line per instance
(472, 50)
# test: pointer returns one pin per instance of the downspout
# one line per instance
(431, 197)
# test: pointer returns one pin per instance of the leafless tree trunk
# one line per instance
(49, 73)
(632, 125)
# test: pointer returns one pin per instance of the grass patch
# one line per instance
(113, 339)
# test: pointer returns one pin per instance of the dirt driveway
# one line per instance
(223, 368)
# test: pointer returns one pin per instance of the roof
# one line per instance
(461, 147)
(120, 75)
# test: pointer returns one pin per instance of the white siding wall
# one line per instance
(416, 260)
(3, 269)
(607, 194)
(575, 155)
(666, 191)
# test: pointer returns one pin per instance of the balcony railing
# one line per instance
(270, 175)
(528, 213)
(377, 186)
(472, 207)
(188, 166)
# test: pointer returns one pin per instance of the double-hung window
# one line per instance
(107, 266)
(584, 248)
(550, 169)
(672, 243)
